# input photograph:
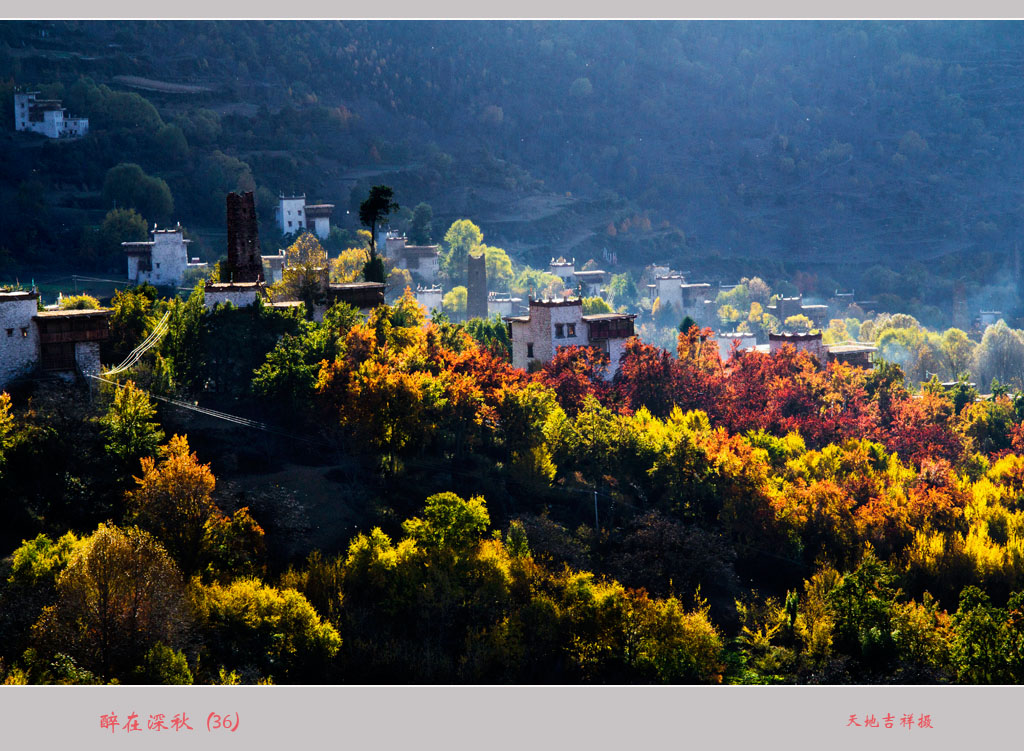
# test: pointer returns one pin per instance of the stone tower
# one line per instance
(961, 318)
(476, 291)
(244, 261)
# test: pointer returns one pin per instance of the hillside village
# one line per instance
(536, 329)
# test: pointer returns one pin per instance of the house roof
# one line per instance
(225, 286)
(851, 348)
(609, 317)
(17, 294)
(86, 313)
(357, 285)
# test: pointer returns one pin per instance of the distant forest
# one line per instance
(881, 156)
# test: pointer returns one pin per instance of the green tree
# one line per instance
(79, 302)
(128, 186)
(264, 632)
(499, 267)
(450, 525)
(131, 319)
(1000, 355)
(461, 238)
(373, 211)
(102, 246)
(219, 174)
(454, 302)
(420, 226)
(172, 144)
(164, 666)
(975, 649)
(128, 426)
(491, 333)
(595, 306)
(622, 289)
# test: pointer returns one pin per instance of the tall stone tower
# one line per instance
(476, 292)
(961, 318)
(244, 261)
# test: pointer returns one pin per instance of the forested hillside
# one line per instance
(875, 155)
(414, 509)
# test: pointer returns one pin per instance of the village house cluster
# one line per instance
(46, 117)
(67, 342)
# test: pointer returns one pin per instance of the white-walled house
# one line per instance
(429, 297)
(290, 214)
(552, 324)
(318, 219)
(564, 270)
(161, 261)
(55, 341)
(293, 216)
(46, 117)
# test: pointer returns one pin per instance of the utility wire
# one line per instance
(136, 354)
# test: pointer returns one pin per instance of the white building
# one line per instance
(747, 342)
(56, 341)
(161, 261)
(273, 267)
(551, 324)
(686, 299)
(293, 216)
(318, 218)
(429, 298)
(590, 283)
(290, 214)
(423, 262)
(46, 117)
(564, 270)
(503, 304)
(239, 294)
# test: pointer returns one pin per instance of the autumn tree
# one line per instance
(6, 428)
(173, 500)
(119, 595)
(305, 273)
(263, 632)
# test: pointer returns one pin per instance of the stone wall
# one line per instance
(19, 339)
(87, 358)
(240, 297)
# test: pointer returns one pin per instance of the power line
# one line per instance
(194, 407)
(136, 354)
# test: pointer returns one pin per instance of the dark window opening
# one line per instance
(570, 329)
(559, 331)
(529, 349)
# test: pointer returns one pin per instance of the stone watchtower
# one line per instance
(476, 291)
(244, 261)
